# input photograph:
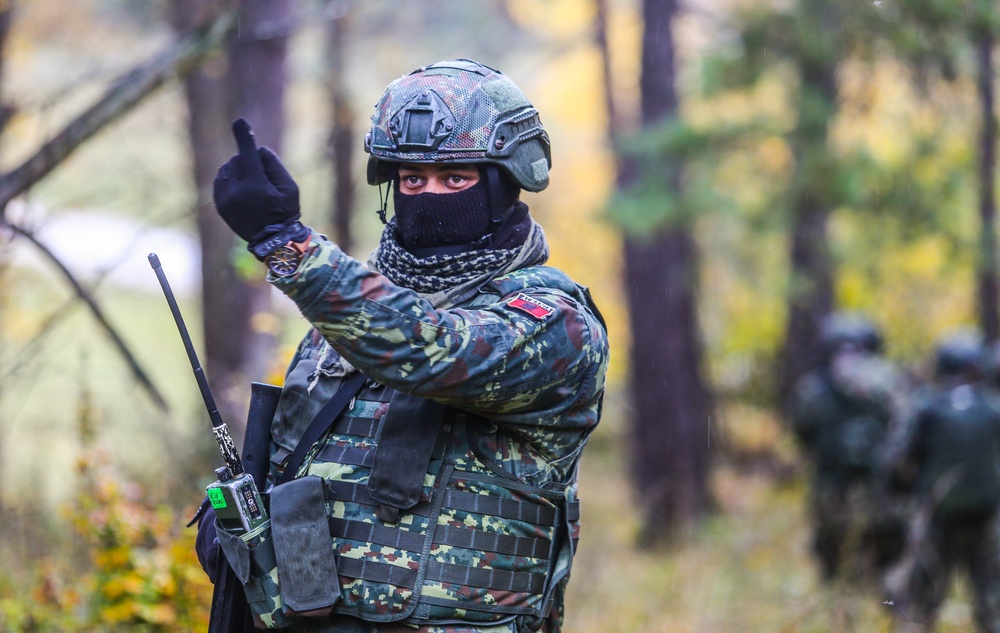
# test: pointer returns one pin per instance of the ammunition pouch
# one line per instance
(303, 548)
(294, 544)
(252, 557)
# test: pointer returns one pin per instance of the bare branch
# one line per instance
(179, 58)
(95, 309)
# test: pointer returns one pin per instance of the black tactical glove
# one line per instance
(206, 545)
(253, 192)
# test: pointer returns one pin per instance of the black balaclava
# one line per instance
(429, 223)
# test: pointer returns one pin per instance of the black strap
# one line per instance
(406, 442)
(333, 408)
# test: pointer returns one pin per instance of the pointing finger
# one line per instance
(246, 145)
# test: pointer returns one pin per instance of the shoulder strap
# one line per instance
(333, 408)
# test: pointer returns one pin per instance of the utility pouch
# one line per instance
(303, 548)
(251, 555)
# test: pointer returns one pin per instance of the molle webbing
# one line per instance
(519, 582)
(457, 537)
(350, 455)
(358, 419)
(475, 544)
(319, 425)
(447, 536)
(454, 500)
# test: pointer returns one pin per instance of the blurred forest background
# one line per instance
(724, 174)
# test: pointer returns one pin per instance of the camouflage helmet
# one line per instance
(458, 111)
(847, 329)
(958, 353)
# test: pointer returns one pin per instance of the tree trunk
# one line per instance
(810, 294)
(6, 17)
(670, 426)
(257, 60)
(988, 290)
(604, 49)
(342, 135)
(249, 82)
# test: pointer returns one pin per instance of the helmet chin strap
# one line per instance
(495, 195)
(384, 200)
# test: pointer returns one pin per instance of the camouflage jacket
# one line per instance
(521, 367)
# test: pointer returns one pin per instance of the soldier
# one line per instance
(839, 413)
(948, 450)
(446, 491)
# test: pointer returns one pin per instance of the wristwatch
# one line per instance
(284, 260)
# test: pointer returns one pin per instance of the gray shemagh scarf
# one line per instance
(446, 280)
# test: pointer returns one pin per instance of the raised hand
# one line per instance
(253, 192)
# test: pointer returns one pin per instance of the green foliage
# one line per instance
(654, 200)
(869, 135)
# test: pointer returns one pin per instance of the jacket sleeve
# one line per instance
(506, 357)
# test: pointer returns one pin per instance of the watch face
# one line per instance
(284, 261)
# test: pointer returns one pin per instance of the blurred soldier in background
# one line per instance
(947, 450)
(840, 413)
(991, 366)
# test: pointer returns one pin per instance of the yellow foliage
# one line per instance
(882, 112)
(915, 291)
(767, 100)
(774, 155)
(142, 571)
(560, 18)
(581, 242)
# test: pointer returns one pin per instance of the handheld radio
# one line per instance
(234, 494)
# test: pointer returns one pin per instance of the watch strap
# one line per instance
(275, 236)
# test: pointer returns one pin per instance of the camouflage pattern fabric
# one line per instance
(536, 364)
(523, 364)
(459, 111)
(462, 92)
(252, 557)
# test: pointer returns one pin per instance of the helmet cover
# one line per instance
(458, 111)
(958, 352)
(991, 362)
(849, 330)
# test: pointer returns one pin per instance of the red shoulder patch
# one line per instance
(534, 307)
